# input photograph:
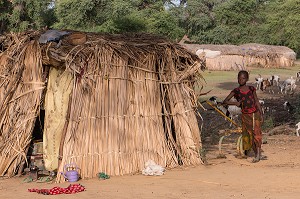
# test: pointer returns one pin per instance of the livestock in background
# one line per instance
(298, 76)
(216, 103)
(207, 53)
(275, 79)
(230, 111)
(288, 106)
(288, 84)
(258, 81)
(267, 84)
(262, 104)
(298, 128)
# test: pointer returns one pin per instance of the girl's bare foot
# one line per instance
(263, 157)
(257, 156)
(257, 159)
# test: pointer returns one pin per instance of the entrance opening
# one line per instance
(35, 151)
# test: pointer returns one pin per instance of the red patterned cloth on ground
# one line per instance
(72, 188)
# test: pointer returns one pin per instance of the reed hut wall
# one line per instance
(234, 57)
(226, 63)
(132, 99)
(20, 93)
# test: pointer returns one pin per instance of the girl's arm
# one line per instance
(227, 102)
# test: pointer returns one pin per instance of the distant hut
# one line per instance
(232, 57)
(111, 102)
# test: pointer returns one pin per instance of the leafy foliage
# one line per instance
(239, 18)
(198, 16)
(117, 16)
(283, 24)
(274, 22)
(5, 7)
(22, 15)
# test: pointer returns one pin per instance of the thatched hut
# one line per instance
(233, 57)
(111, 102)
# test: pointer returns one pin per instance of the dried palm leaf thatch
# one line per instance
(144, 89)
(20, 93)
(132, 100)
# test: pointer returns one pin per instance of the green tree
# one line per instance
(200, 15)
(79, 15)
(5, 7)
(20, 15)
(236, 21)
(159, 20)
(117, 16)
(197, 17)
(274, 22)
(30, 14)
(125, 17)
(282, 24)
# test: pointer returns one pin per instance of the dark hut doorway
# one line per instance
(35, 151)
(37, 133)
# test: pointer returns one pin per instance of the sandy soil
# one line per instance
(230, 177)
(277, 177)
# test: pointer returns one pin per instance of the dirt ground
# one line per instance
(230, 177)
(278, 177)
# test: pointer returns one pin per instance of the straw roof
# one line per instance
(233, 57)
(132, 100)
(245, 49)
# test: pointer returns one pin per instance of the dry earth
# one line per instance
(276, 178)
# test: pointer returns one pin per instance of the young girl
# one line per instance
(252, 115)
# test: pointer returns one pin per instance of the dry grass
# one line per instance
(20, 94)
(222, 82)
(234, 57)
